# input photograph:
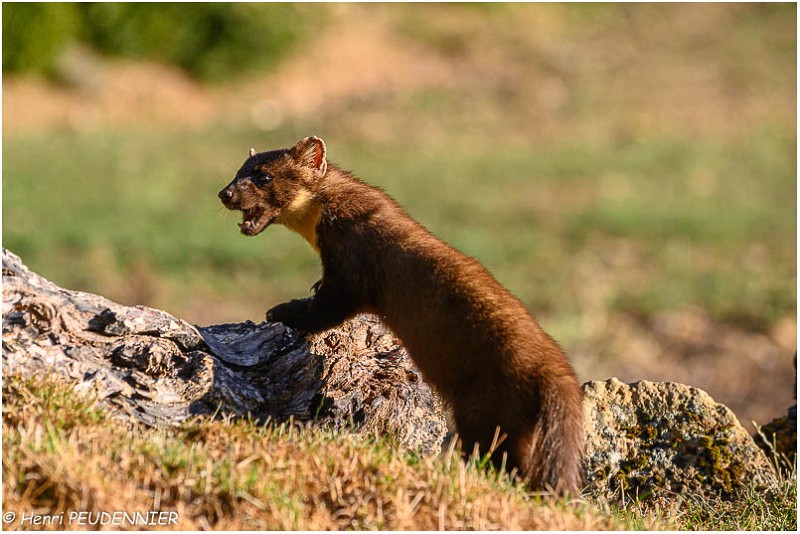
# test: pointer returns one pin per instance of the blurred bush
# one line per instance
(33, 34)
(210, 41)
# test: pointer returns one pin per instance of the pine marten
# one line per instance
(469, 336)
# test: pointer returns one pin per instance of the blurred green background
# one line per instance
(211, 41)
(627, 170)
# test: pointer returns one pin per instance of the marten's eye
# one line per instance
(263, 178)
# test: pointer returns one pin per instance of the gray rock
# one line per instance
(658, 440)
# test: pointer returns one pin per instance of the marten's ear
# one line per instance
(310, 151)
(252, 152)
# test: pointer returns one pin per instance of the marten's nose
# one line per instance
(225, 195)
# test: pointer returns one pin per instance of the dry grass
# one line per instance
(62, 454)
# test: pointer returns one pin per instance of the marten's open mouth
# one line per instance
(255, 220)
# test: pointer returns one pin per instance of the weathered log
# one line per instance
(156, 369)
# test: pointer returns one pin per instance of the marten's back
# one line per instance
(454, 318)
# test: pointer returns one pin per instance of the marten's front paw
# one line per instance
(294, 313)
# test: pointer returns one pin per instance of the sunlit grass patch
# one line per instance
(62, 454)
(241, 475)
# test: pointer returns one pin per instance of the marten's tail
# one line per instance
(552, 453)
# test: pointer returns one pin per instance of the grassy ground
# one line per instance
(61, 455)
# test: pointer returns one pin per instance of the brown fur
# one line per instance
(471, 338)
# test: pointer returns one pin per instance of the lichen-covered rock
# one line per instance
(655, 440)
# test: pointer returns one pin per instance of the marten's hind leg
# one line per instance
(546, 460)
(520, 450)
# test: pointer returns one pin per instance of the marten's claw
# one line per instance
(292, 314)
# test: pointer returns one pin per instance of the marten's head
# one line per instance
(279, 186)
